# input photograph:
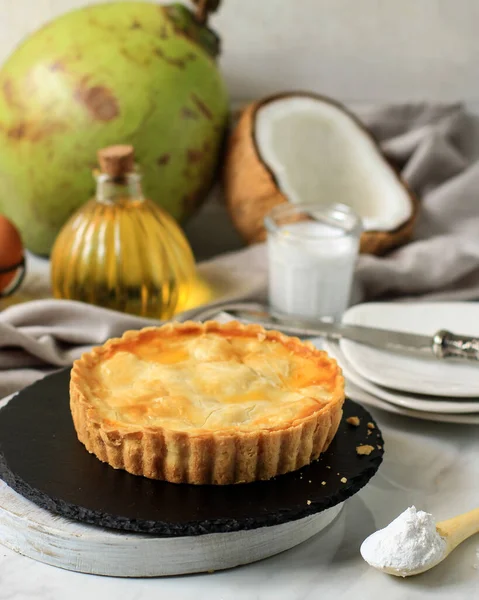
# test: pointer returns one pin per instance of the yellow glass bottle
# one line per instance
(120, 250)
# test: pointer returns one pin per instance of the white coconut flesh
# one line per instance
(319, 153)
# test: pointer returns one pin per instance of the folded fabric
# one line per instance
(37, 337)
(435, 147)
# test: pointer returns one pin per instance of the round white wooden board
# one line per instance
(55, 540)
(41, 535)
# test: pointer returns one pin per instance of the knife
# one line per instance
(443, 344)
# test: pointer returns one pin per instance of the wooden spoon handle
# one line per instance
(459, 528)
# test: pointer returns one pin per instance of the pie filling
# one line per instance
(210, 382)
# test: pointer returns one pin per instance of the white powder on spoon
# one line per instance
(409, 543)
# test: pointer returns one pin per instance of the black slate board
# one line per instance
(41, 458)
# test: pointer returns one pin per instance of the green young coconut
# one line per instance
(124, 72)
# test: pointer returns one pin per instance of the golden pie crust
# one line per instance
(206, 403)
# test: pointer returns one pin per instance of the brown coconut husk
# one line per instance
(251, 190)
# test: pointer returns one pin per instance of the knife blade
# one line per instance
(443, 344)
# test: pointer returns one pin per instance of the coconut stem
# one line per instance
(203, 9)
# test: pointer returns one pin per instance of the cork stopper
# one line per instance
(116, 161)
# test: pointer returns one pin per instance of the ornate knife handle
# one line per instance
(448, 345)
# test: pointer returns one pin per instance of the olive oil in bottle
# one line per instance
(122, 251)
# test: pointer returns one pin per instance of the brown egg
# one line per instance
(11, 252)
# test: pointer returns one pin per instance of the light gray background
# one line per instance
(356, 50)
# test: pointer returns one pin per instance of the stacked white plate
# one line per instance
(416, 386)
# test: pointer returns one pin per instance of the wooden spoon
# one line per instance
(454, 531)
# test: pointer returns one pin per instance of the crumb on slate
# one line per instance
(328, 467)
(323, 483)
(308, 502)
(369, 432)
(343, 479)
(364, 449)
(371, 425)
(379, 447)
(353, 421)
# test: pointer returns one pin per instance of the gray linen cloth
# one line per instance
(435, 148)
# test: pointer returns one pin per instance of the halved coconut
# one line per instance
(308, 148)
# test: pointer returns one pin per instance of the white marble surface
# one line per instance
(433, 466)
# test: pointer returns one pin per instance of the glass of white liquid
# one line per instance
(312, 252)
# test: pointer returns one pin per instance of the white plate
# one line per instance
(412, 373)
(432, 405)
(356, 393)
(55, 540)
